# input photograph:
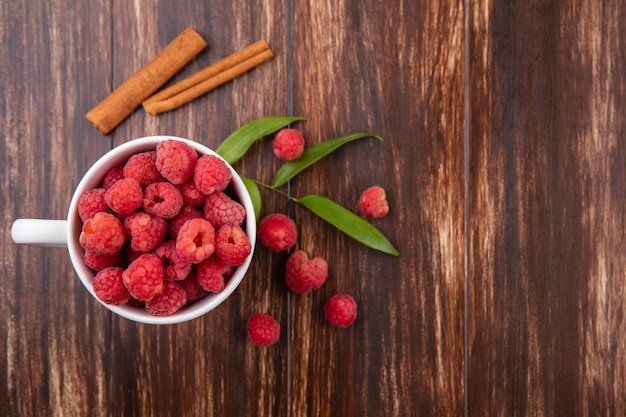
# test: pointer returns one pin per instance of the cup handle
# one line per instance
(40, 232)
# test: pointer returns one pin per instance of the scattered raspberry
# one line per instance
(186, 213)
(373, 202)
(263, 330)
(212, 273)
(304, 274)
(176, 160)
(191, 195)
(277, 232)
(196, 240)
(103, 234)
(232, 245)
(145, 231)
(220, 209)
(340, 310)
(99, 262)
(174, 267)
(144, 277)
(91, 202)
(141, 167)
(109, 286)
(288, 144)
(162, 199)
(112, 176)
(193, 288)
(167, 302)
(211, 174)
(125, 196)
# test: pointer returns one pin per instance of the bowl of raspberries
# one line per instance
(161, 230)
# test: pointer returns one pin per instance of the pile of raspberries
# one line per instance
(278, 233)
(162, 230)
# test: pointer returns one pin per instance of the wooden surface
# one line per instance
(503, 163)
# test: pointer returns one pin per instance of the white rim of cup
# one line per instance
(93, 177)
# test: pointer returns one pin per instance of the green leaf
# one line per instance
(236, 145)
(347, 222)
(313, 154)
(255, 196)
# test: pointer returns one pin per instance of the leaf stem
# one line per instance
(275, 189)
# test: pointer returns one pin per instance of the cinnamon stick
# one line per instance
(128, 96)
(209, 78)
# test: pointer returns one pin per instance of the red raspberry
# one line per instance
(186, 213)
(304, 274)
(103, 234)
(373, 202)
(125, 196)
(263, 330)
(144, 277)
(176, 160)
(91, 202)
(211, 174)
(277, 232)
(220, 209)
(174, 267)
(145, 231)
(112, 176)
(167, 302)
(162, 199)
(99, 262)
(288, 144)
(191, 195)
(212, 273)
(232, 245)
(196, 240)
(109, 286)
(340, 310)
(193, 288)
(141, 167)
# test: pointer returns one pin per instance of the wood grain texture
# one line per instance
(396, 69)
(547, 204)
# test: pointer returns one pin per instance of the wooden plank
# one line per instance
(206, 367)
(54, 337)
(547, 204)
(396, 69)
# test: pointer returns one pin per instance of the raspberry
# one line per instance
(103, 234)
(186, 213)
(144, 277)
(220, 209)
(125, 196)
(232, 245)
(304, 274)
(212, 273)
(277, 232)
(340, 310)
(112, 176)
(141, 167)
(193, 288)
(176, 160)
(109, 286)
(99, 262)
(373, 202)
(196, 240)
(145, 231)
(162, 199)
(167, 302)
(211, 174)
(191, 195)
(174, 267)
(91, 202)
(288, 144)
(263, 329)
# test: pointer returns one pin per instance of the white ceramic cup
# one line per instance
(65, 233)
